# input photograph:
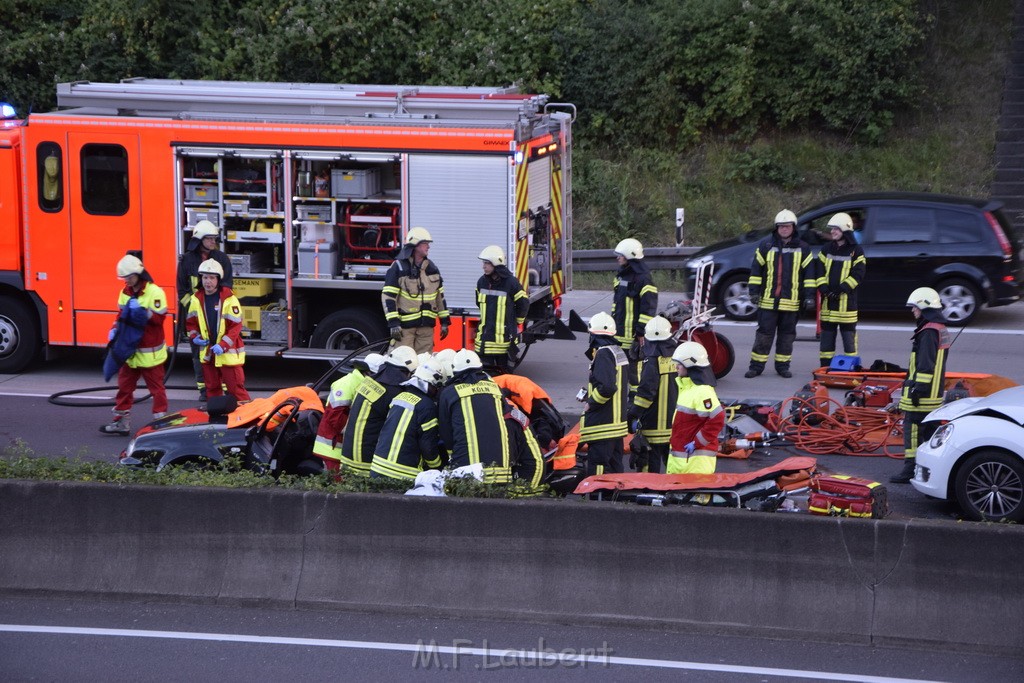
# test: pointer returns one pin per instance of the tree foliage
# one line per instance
(640, 71)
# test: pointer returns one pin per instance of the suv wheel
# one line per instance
(961, 301)
(990, 487)
(735, 298)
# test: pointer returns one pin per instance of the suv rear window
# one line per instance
(958, 227)
(903, 224)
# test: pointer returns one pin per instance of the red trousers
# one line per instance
(232, 376)
(128, 379)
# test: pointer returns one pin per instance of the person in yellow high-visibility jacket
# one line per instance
(699, 415)
(214, 322)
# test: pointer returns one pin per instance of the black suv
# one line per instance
(964, 248)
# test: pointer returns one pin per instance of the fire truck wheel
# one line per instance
(19, 335)
(349, 330)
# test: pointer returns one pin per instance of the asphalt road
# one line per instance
(80, 640)
(994, 343)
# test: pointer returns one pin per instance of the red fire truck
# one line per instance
(313, 186)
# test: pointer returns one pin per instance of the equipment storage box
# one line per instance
(318, 259)
(250, 320)
(193, 216)
(201, 193)
(256, 262)
(318, 232)
(236, 205)
(355, 182)
(274, 325)
(251, 287)
(313, 212)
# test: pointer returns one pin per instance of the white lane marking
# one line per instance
(496, 654)
(880, 328)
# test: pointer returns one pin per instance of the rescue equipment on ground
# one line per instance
(694, 320)
(845, 496)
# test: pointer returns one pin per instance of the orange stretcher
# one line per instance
(976, 383)
(787, 475)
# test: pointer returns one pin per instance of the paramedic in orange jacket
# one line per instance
(699, 415)
(214, 323)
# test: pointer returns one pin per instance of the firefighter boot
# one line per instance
(754, 371)
(783, 370)
(120, 424)
(906, 474)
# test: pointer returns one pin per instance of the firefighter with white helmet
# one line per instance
(370, 408)
(634, 300)
(653, 406)
(446, 358)
(327, 445)
(202, 246)
(926, 376)
(408, 441)
(472, 427)
(214, 325)
(503, 306)
(603, 424)
(840, 269)
(413, 295)
(699, 415)
(781, 271)
(137, 346)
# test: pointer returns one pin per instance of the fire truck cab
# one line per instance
(313, 187)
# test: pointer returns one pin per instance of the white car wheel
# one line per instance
(990, 486)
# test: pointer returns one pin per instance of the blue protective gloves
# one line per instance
(111, 334)
(690, 447)
(134, 303)
(199, 341)
(217, 349)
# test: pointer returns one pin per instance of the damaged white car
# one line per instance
(976, 456)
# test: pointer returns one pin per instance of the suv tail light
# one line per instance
(1004, 243)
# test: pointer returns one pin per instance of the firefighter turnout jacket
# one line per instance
(634, 301)
(366, 419)
(408, 440)
(605, 417)
(223, 311)
(654, 403)
(472, 426)
(188, 280)
(699, 419)
(524, 451)
(152, 347)
(332, 426)
(780, 272)
(503, 306)
(926, 376)
(413, 295)
(840, 271)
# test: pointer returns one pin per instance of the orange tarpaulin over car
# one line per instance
(258, 408)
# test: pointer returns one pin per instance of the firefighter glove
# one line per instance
(444, 329)
(396, 333)
(690, 447)
(634, 426)
(637, 461)
(217, 349)
(199, 341)
(915, 396)
(134, 303)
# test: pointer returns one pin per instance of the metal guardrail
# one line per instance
(657, 258)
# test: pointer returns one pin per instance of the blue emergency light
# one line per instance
(7, 111)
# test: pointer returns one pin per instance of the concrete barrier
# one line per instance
(935, 584)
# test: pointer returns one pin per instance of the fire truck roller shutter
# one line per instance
(464, 201)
